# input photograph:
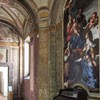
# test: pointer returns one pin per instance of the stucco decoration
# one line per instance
(3, 55)
(7, 34)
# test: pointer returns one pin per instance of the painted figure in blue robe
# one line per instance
(88, 62)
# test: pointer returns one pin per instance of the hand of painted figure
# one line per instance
(86, 57)
(70, 1)
(94, 63)
(67, 52)
(78, 60)
(65, 58)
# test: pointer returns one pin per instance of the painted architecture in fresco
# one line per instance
(81, 44)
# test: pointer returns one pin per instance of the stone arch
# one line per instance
(10, 42)
(56, 11)
(11, 25)
(31, 10)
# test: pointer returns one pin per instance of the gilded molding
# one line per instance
(9, 44)
(43, 13)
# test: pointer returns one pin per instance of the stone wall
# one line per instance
(49, 70)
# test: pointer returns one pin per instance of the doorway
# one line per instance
(3, 83)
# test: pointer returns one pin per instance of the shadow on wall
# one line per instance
(86, 4)
(92, 7)
(82, 3)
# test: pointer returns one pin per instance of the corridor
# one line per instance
(2, 97)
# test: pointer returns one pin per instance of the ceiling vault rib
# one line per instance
(9, 15)
(14, 17)
(23, 7)
(8, 20)
(17, 1)
(20, 13)
(32, 13)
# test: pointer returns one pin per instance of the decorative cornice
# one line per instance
(8, 44)
(43, 8)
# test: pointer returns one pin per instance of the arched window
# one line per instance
(26, 56)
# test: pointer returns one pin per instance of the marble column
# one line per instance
(21, 67)
(43, 65)
(33, 67)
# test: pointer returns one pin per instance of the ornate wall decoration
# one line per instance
(3, 55)
(7, 34)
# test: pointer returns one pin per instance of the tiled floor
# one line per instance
(2, 97)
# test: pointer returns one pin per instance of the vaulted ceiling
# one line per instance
(23, 15)
(41, 3)
(15, 14)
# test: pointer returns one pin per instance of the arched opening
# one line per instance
(18, 24)
(4, 83)
(26, 58)
(81, 44)
(10, 48)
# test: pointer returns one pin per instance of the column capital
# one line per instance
(44, 17)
